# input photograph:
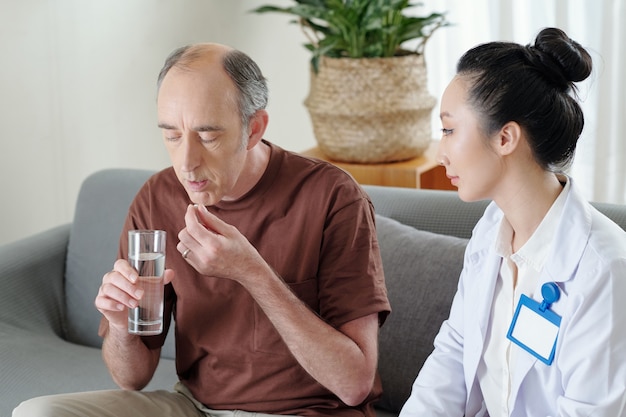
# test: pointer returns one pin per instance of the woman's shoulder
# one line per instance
(606, 237)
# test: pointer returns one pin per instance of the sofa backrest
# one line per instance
(444, 212)
(436, 211)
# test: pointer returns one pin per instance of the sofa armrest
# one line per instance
(31, 281)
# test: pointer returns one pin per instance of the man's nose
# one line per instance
(191, 154)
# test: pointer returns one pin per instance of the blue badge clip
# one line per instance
(538, 332)
(550, 293)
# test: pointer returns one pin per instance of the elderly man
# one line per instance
(274, 277)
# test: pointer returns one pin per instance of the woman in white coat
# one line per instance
(538, 324)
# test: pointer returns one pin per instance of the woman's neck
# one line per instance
(526, 202)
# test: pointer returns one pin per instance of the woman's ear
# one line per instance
(508, 138)
(256, 128)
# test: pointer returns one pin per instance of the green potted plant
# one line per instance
(368, 99)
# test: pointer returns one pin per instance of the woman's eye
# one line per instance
(446, 132)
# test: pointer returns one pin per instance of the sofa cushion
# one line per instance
(421, 272)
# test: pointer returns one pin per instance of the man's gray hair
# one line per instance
(245, 73)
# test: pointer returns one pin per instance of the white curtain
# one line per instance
(599, 167)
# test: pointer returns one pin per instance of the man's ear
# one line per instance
(256, 128)
(508, 138)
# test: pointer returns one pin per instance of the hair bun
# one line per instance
(563, 60)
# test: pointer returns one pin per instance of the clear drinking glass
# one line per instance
(146, 253)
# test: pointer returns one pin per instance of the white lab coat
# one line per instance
(587, 260)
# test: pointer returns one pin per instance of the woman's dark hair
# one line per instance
(532, 85)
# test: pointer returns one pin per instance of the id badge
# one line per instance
(535, 328)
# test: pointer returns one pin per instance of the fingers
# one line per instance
(168, 276)
(196, 231)
(201, 219)
(125, 268)
(119, 290)
(209, 220)
(192, 222)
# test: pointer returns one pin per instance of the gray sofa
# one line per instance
(48, 282)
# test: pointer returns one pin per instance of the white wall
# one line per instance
(77, 82)
(77, 90)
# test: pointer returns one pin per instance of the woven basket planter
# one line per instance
(371, 110)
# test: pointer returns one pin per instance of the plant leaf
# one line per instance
(359, 28)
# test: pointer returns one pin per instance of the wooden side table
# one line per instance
(420, 172)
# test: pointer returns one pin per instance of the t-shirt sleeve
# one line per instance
(351, 278)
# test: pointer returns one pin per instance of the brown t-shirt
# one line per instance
(315, 226)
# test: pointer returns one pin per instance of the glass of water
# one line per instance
(146, 253)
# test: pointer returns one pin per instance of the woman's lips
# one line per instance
(454, 180)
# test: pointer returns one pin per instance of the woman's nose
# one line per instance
(441, 157)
